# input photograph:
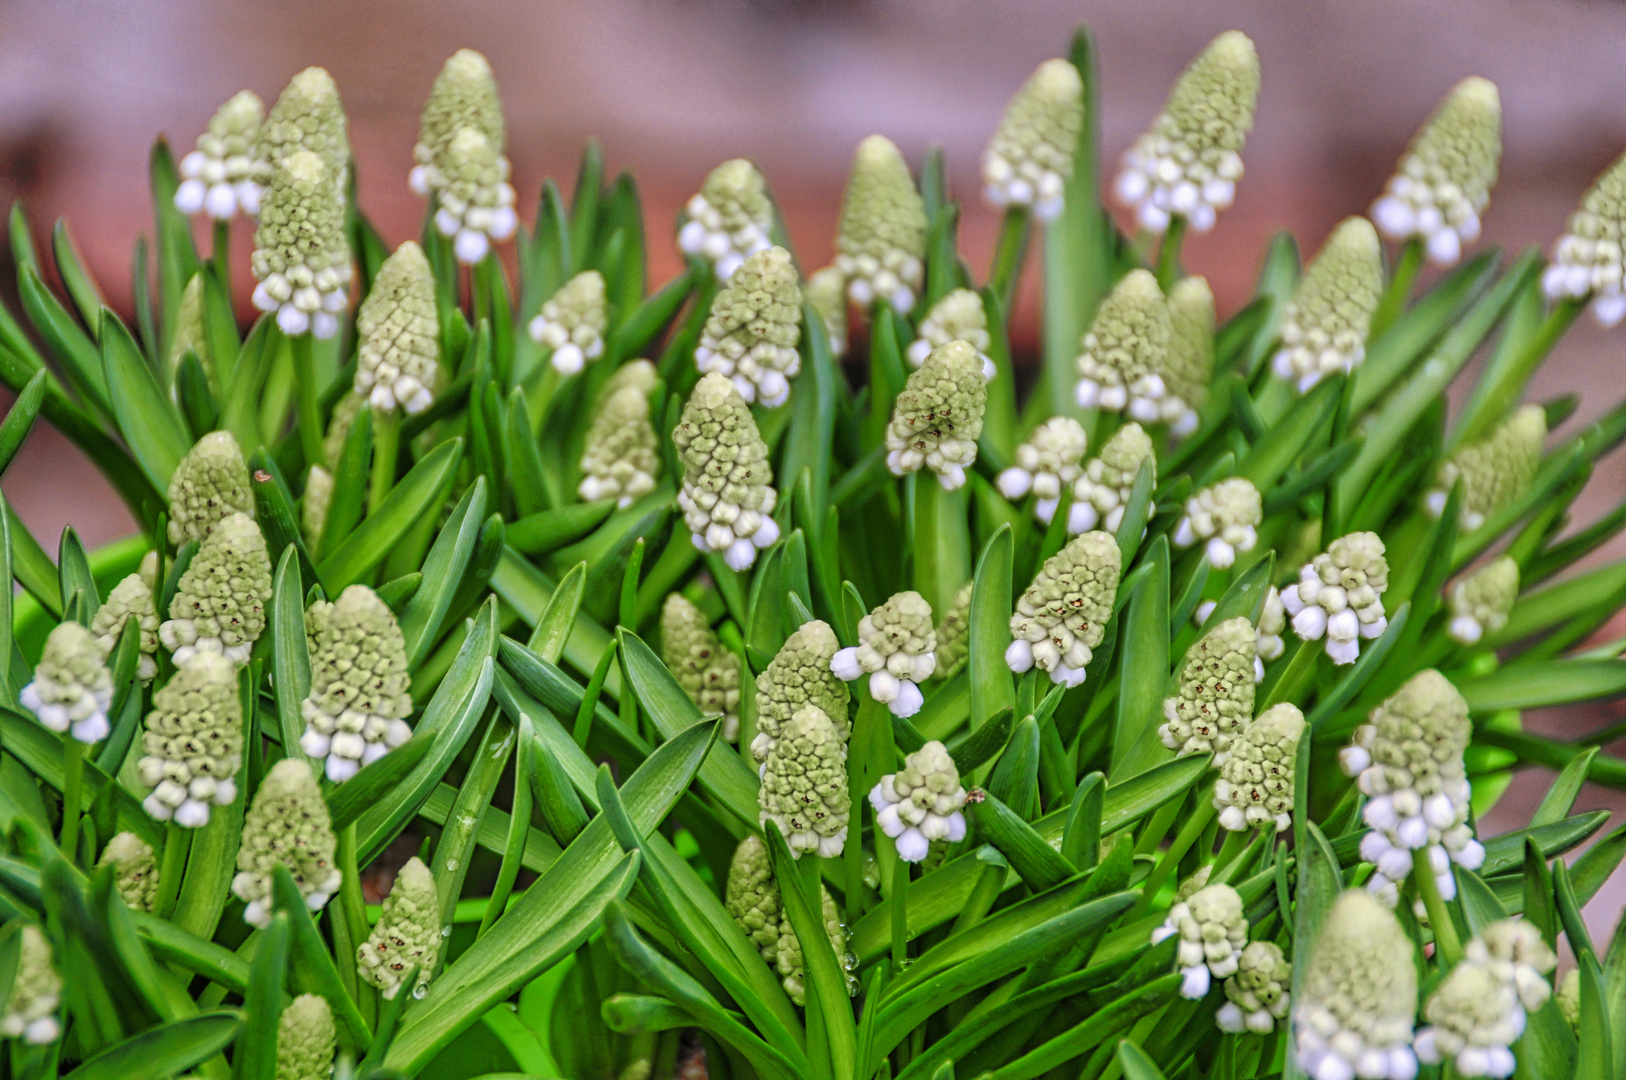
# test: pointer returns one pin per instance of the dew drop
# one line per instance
(420, 991)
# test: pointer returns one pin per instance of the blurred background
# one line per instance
(671, 89)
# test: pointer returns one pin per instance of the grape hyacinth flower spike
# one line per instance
(218, 177)
(1354, 1016)
(729, 218)
(754, 328)
(896, 644)
(1030, 158)
(1046, 465)
(72, 688)
(727, 496)
(937, 419)
(1324, 331)
(958, 316)
(881, 245)
(1063, 614)
(1339, 596)
(921, 803)
(571, 323)
(397, 355)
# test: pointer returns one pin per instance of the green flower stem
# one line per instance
(1169, 861)
(1010, 253)
(869, 756)
(1393, 301)
(306, 399)
(1446, 944)
(942, 541)
(350, 928)
(899, 902)
(1295, 679)
(386, 446)
(73, 773)
(1235, 844)
(177, 840)
(222, 256)
(1158, 827)
(1168, 253)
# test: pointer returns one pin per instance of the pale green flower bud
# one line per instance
(318, 496)
(149, 571)
(1513, 950)
(572, 323)
(959, 316)
(306, 1039)
(218, 178)
(1126, 352)
(189, 334)
(301, 251)
(464, 96)
(72, 688)
(1258, 993)
(921, 803)
(708, 672)
(1473, 1020)
(1101, 494)
(896, 649)
(1569, 998)
(1480, 603)
(1190, 161)
(727, 496)
(1407, 761)
(752, 897)
(1494, 470)
(359, 701)
(1339, 595)
(789, 959)
(1272, 624)
(804, 783)
(954, 635)
(36, 992)
(339, 424)
(219, 605)
(1324, 331)
(1442, 184)
(407, 935)
(1190, 366)
(1063, 614)
(621, 456)
(754, 327)
(1354, 1016)
(1587, 259)
(287, 825)
(135, 870)
(1212, 929)
(193, 741)
(307, 116)
(1226, 517)
(937, 419)
(476, 199)
(1215, 699)
(209, 485)
(881, 246)
(1255, 785)
(1194, 884)
(1030, 158)
(398, 336)
(729, 219)
(826, 290)
(798, 676)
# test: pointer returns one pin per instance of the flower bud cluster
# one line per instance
(1257, 995)
(1588, 259)
(1063, 614)
(135, 870)
(788, 961)
(826, 290)
(752, 897)
(1324, 331)
(218, 177)
(1030, 158)
(189, 334)
(1354, 1014)
(954, 635)
(727, 496)
(1102, 492)
(314, 504)
(1479, 1011)
(193, 741)
(1212, 929)
(306, 1039)
(358, 703)
(621, 454)
(1480, 602)
(804, 783)
(1494, 470)
(921, 803)
(287, 825)
(72, 688)
(1339, 595)
(708, 672)
(1271, 626)
(1255, 786)
(408, 934)
(1190, 364)
(799, 676)
(130, 599)
(572, 321)
(1226, 516)
(209, 485)
(1046, 464)
(219, 604)
(1215, 698)
(36, 992)
(754, 328)
(959, 316)
(896, 649)
(301, 252)
(729, 219)
(460, 160)
(399, 336)
(881, 245)
(1126, 351)
(307, 116)
(937, 419)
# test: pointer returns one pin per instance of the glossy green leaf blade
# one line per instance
(1144, 640)
(1539, 684)
(989, 630)
(371, 541)
(443, 569)
(148, 420)
(290, 654)
(163, 1052)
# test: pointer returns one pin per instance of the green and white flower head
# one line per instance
(189, 333)
(921, 802)
(306, 1039)
(1255, 786)
(1190, 366)
(358, 703)
(1102, 492)
(1514, 951)
(135, 870)
(881, 246)
(1569, 998)
(727, 496)
(408, 934)
(754, 328)
(1354, 1015)
(788, 960)
(218, 177)
(958, 316)
(1215, 698)
(1478, 1012)
(1063, 614)
(1226, 516)
(345, 411)
(459, 158)
(314, 504)
(798, 676)
(937, 419)
(1050, 461)
(36, 992)
(398, 336)
(1480, 602)
(1212, 928)
(1194, 884)
(729, 218)
(301, 253)
(621, 455)
(1126, 351)
(1324, 331)
(1443, 182)
(209, 485)
(219, 605)
(896, 649)
(72, 688)
(571, 323)
(193, 742)
(464, 96)
(307, 116)
(1257, 995)
(954, 635)
(752, 896)
(1494, 470)
(804, 783)
(1271, 626)
(708, 672)
(1030, 158)
(826, 290)
(1587, 259)
(1191, 160)
(1407, 761)
(1339, 596)
(287, 825)
(130, 599)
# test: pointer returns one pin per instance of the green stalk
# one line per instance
(306, 401)
(1236, 842)
(1010, 253)
(350, 925)
(1296, 679)
(1169, 861)
(222, 256)
(1439, 918)
(1168, 253)
(1393, 301)
(386, 446)
(73, 773)
(900, 913)
(176, 842)
(1158, 827)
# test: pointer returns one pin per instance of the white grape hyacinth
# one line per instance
(959, 316)
(920, 803)
(1353, 1016)
(1339, 596)
(1226, 516)
(72, 688)
(896, 649)
(1213, 929)
(729, 218)
(1045, 465)
(218, 177)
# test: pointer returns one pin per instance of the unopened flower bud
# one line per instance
(1102, 493)
(727, 496)
(1196, 883)
(314, 504)
(921, 803)
(1339, 596)
(307, 116)
(1569, 998)
(708, 672)
(798, 676)
(459, 157)
(345, 411)
(804, 783)
(72, 688)
(407, 935)
(209, 485)
(306, 1039)
(135, 870)
(621, 454)
(572, 323)
(1225, 517)
(1514, 951)
(1480, 603)
(218, 177)
(1030, 158)
(1126, 352)
(881, 246)
(1063, 614)
(788, 962)
(730, 218)
(1354, 1016)
(1049, 462)
(189, 335)
(1272, 624)
(896, 649)
(398, 336)
(826, 290)
(1493, 470)
(1473, 1020)
(36, 992)
(937, 419)
(1257, 995)
(752, 896)
(1587, 259)
(358, 703)
(1190, 365)
(130, 599)
(301, 252)
(1215, 698)
(1212, 929)
(954, 635)
(754, 328)
(1324, 331)
(193, 741)
(958, 316)
(1255, 785)
(287, 825)
(219, 604)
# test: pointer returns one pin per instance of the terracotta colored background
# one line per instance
(671, 89)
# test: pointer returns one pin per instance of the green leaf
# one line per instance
(1136, 1064)
(1371, 659)
(40, 751)
(1268, 459)
(348, 801)
(370, 541)
(290, 655)
(148, 420)
(313, 970)
(20, 419)
(165, 1051)
(554, 627)
(1555, 805)
(80, 285)
(1596, 864)
(78, 355)
(274, 510)
(1030, 855)
(1145, 671)
(989, 630)
(1319, 884)
(1596, 1057)
(256, 1055)
(351, 475)
(1539, 684)
(443, 570)
(977, 747)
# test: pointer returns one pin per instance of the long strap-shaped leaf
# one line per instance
(837, 1050)
(371, 541)
(162, 1052)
